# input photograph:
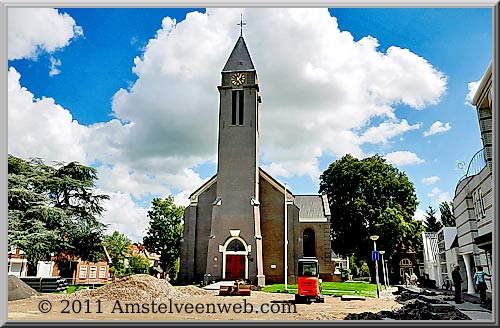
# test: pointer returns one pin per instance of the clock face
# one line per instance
(238, 79)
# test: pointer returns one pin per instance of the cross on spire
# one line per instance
(241, 24)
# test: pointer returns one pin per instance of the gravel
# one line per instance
(137, 288)
(193, 290)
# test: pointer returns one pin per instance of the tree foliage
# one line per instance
(164, 233)
(370, 197)
(431, 223)
(53, 210)
(118, 246)
(138, 264)
(447, 217)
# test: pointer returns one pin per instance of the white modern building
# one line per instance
(441, 254)
(473, 200)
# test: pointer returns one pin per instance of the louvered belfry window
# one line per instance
(238, 100)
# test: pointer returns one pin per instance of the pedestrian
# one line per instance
(407, 279)
(479, 280)
(457, 282)
(413, 279)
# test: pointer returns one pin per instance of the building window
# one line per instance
(238, 100)
(102, 272)
(309, 243)
(93, 272)
(235, 246)
(478, 202)
(405, 262)
(83, 272)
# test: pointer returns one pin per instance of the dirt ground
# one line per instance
(196, 307)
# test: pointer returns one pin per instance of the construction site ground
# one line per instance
(143, 298)
(332, 309)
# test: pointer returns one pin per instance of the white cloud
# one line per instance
(33, 30)
(437, 127)
(40, 127)
(438, 196)
(472, 86)
(387, 130)
(401, 158)
(430, 180)
(444, 197)
(434, 192)
(55, 63)
(123, 215)
(419, 215)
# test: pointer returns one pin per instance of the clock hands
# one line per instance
(238, 79)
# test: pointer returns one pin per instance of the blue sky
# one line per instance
(133, 93)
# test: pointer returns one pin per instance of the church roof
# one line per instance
(239, 60)
(311, 207)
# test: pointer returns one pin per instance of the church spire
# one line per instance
(239, 60)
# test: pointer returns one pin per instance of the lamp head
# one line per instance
(382, 252)
(374, 237)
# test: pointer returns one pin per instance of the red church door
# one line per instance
(235, 267)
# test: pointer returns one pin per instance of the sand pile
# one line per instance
(193, 290)
(137, 288)
(19, 290)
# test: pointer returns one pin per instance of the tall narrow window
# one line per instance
(309, 243)
(478, 202)
(233, 112)
(240, 105)
(238, 101)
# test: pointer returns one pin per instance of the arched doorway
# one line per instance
(235, 259)
(405, 265)
(309, 243)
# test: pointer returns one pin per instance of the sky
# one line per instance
(133, 93)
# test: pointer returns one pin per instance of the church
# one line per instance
(234, 226)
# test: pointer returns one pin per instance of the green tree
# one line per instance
(138, 264)
(369, 197)
(447, 217)
(53, 210)
(118, 246)
(431, 223)
(164, 233)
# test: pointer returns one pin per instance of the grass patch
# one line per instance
(74, 288)
(331, 288)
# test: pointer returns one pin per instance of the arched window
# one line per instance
(405, 262)
(235, 245)
(309, 243)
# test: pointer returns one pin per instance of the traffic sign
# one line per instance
(375, 255)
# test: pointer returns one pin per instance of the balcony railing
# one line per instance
(476, 164)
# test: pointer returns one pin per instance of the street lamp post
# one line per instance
(285, 255)
(374, 238)
(387, 272)
(383, 268)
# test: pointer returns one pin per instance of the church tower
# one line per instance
(238, 222)
(235, 246)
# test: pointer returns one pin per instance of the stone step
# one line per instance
(352, 298)
(441, 307)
